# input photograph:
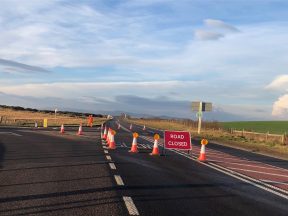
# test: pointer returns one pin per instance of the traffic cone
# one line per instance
(202, 156)
(155, 150)
(112, 144)
(134, 148)
(144, 128)
(130, 127)
(80, 131)
(62, 129)
(105, 133)
(101, 134)
(108, 137)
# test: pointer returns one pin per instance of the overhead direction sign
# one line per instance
(177, 140)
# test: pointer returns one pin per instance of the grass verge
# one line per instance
(220, 137)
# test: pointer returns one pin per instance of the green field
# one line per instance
(274, 127)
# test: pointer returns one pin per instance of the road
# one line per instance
(47, 173)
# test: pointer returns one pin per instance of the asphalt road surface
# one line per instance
(43, 172)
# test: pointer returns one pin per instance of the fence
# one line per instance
(29, 122)
(263, 137)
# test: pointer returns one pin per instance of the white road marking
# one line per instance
(10, 133)
(266, 173)
(108, 157)
(130, 206)
(261, 167)
(244, 178)
(143, 146)
(105, 147)
(274, 182)
(112, 166)
(118, 180)
(105, 151)
(124, 145)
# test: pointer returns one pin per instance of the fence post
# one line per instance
(266, 137)
(283, 139)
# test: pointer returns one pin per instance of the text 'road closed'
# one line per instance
(177, 140)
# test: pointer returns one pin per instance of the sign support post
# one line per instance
(199, 117)
(200, 107)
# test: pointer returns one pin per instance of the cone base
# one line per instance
(134, 149)
(155, 152)
(202, 158)
(112, 146)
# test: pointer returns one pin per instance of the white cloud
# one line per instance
(280, 83)
(220, 24)
(280, 107)
(12, 67)
(84, 89)
(207, 35)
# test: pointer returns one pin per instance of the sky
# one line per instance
(146, 56)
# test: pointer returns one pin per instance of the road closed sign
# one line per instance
(177, 140)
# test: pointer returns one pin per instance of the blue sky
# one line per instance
(146, 56)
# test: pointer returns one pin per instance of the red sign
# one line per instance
(177, 140)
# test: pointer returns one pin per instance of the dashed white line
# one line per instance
(108, 157)
(112, 166)
(130, 206)
(105, 151)
(118, 180)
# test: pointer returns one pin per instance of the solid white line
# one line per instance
(118, 180)
(242, 164)
(105, 151)
(10, 133)
(108, 157)
(112, 166)
(130, 206)
(274, 182)
(266, 173)
(230, 173)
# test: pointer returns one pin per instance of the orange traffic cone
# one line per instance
(130, 127)
(108, 137)
(105, 133)
(101, 134)
(202, 156)
(80, 131)
(134, 148)
(62, 129)
(144, 128)
(112, 144)
(155, 146)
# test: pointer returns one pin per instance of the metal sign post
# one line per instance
(199, 117)
(201, 107)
